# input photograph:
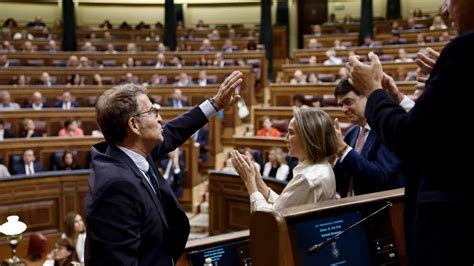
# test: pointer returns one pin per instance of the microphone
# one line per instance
(317, 247)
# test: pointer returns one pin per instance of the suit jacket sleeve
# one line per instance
(378, 172)
(178, 130)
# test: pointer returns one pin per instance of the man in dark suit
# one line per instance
(201, 140)
(133, 217)
(364, 165)
(172, 166)
(67, 102)
(177, 100)
(438, 192)
(5, 133)
(28, 165)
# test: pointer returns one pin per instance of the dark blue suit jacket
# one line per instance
(203, 139)
(19, 168)
(435, 148)
(176, 181)
(127, 223)
(59, 104)
(374, 169)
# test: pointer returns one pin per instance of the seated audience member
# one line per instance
(97, 80)
(4, 61)
(106, 25)
(177, 100)
(438, 24)
(75, 230)
(313, 60)
(206, 46)
(218, 60)
(37, 102)
(312, 139)
(5, 133)
(203, 79)
(129, 63)
(88, 48)
(332, 59)
(110, 49)
(71, 129)
(8, 47)
(22, 81)
(63, 254)
(177, 61)
(317, 31)
(73, 61)
(396, 39)
(229, 46)
(45, 79)
(298, 101)
(160, 61)
(228, 166)
(38, 23)
(125, 26)
(267, 129)
(68, 162)
(66, 102)
(29, 129)
(276, 166)
(250, 154)
(184, 80)
(142, 25)
(4, 171)
(298, 77)
(84, 62)
(251, 46)
(338, 45)
(313, 78)
(6, 103)
(313, 44)
(172, 166)
(364, 164)
(24, 34)
(402, 56)
(201, 140)
(52, 47)
(76, 80)
(28, 164)
(214, 35)
(129, 79)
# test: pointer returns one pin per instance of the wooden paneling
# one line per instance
(282, 94)
(229, 205)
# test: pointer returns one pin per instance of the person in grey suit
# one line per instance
(132, 215)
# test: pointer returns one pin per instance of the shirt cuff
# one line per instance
(208, 109)
(407, 103)
(348, 149)
(256, 196)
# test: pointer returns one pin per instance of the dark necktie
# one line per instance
(153, 180)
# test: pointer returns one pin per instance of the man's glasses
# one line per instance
(153, 111)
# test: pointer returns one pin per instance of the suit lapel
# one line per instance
(117, 153)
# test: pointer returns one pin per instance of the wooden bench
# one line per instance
(410, 36)
(45, 147)
(391, 68)
(53, 120)
(255, 58)
(282, 94)
(300, 55)
(42, 201)
(143, 74)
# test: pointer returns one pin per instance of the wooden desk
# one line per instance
(229, 204)
(274, 241)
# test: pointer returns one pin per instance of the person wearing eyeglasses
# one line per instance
(132, 215)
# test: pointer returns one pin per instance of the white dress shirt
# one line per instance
(311, 183)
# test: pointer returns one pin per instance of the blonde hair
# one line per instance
(317, 132)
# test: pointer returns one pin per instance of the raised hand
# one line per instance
(226, 95)
(365, 77)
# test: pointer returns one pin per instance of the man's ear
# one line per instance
(133, 125)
